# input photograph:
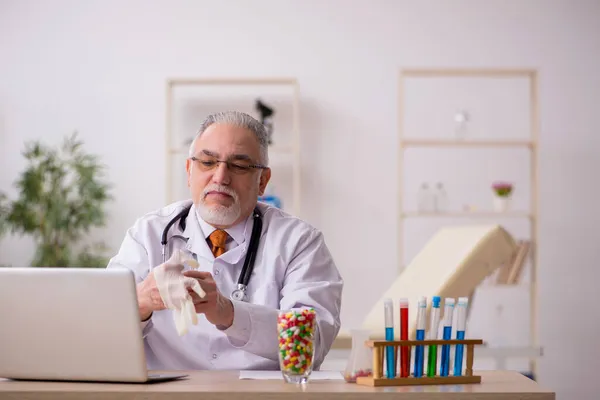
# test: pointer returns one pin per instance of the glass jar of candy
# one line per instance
(295, 329)
(360, 362)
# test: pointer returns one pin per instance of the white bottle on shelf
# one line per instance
(461, 119)
(425, 199)
(441, 198)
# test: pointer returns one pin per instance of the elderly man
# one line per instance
(227, 170)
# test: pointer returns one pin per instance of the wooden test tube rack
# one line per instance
(378, 378)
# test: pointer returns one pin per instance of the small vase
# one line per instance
(361, 357)
(501, 204)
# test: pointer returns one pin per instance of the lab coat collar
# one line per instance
(236, 232)
(198, 230)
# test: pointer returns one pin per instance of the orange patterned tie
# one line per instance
(217, 241)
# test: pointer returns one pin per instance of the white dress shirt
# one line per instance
(293, 268)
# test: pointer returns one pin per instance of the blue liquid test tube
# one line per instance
(420, 350)
(389, 335)
(461, 323)
(447, 335)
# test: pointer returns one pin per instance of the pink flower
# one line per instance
(503, 189)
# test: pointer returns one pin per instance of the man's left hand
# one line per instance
(217, 308)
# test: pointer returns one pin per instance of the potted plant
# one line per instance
(61, 196)
(503, 192)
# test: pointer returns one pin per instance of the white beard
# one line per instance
(217, 214)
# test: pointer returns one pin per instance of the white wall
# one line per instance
(100, 68)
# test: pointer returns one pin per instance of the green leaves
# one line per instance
(61, 197)
(3, 213)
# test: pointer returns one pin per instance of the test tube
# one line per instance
(404, 350)
(433, 335)
(420, 350)
(461, 322)
(447, 335)
(389, 336)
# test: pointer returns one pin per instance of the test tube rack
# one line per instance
(378, 378)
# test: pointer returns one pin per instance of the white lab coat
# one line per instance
(293, 268)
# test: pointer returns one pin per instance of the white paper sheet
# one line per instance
(276, 375)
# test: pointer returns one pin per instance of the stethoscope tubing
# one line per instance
(240, 292)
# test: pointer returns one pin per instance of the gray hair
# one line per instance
(241, 120)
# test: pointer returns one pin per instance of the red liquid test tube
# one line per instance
(404, 350)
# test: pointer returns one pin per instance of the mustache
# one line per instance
(219, 188)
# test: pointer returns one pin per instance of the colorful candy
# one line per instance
(296, 340)
(351, 376)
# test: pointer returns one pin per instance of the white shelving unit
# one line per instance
(290, 152)
(530, 144)
(466, 143)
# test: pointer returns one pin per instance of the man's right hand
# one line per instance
(149, 299)
(166, 286)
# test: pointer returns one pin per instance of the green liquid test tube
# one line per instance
(433, 335)
(432, 360)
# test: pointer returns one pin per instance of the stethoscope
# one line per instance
(239, 293)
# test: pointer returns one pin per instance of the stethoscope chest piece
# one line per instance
(239, 293)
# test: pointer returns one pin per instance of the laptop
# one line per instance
(72, 324)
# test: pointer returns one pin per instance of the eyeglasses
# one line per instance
(237, 167)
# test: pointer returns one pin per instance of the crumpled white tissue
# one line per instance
(173, 288)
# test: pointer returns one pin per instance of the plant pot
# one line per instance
(501, 204)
